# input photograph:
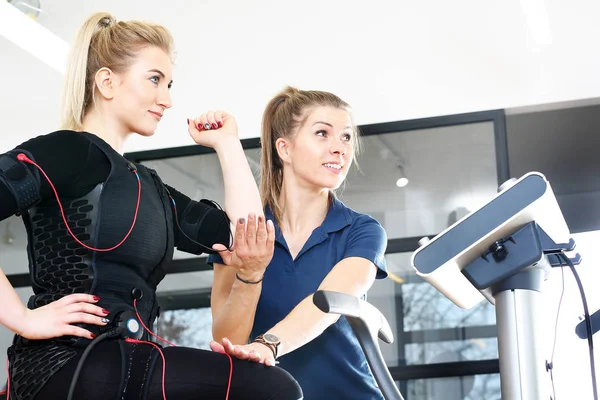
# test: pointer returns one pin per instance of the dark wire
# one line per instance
(588, 323)
(218, 207)
(115, 332)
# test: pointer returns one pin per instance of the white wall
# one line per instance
(392, 60)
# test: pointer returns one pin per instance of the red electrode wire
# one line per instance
(164, 368)
(171, 344)
(146, 328)
(24, 158)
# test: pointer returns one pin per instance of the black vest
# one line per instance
(60, 266)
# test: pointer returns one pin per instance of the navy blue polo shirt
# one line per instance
(332, 366)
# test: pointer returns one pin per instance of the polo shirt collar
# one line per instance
(338, 217)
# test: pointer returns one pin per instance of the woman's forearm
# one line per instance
(352, 275)
(241, 192)
(235, 317)
(12, 311)
(302, 325)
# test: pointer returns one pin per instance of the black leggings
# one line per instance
(116, 369)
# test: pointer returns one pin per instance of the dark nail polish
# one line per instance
(96, 298)
(188, 121)
(106, 312)
(220, 124)
(93, 336)
(260, 218)
(200, 127)
(241, 220)
(215, 126)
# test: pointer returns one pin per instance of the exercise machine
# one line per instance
(501, 253)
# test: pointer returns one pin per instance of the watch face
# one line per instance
(269, 337)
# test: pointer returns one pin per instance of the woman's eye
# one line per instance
(347, 137)
(321, 133)
(155, 79)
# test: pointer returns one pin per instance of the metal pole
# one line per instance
(520, 348)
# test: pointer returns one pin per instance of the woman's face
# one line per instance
(321, 151)
(142, 92)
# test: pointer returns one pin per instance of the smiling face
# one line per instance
(322, 149)
(141, 93)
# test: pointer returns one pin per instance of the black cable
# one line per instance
(588, 323)
(115, 332)
(218, 207)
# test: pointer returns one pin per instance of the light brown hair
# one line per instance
(286, 111)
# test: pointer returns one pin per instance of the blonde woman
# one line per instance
(102, 232)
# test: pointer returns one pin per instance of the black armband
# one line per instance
(21, 179)
(202, 225)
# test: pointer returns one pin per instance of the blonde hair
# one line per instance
(286, 111)
(103, 42)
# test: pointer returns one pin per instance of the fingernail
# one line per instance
(105, 311)
(251, 216)
(270, 223)
(260, 218)
(105, 320)
(207, 126)
(220, 124)
(96, 298)
(188, 121)
(200, 127)
(241, 220)
(215, 126)
(93, 336)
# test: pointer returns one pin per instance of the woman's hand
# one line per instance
(253, 352)
(253, 248)
(56, 319)
(212, 128)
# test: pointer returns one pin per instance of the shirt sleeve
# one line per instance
(368, 239)
(214, 259)
(63, 156)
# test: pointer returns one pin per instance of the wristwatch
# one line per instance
(269, 340)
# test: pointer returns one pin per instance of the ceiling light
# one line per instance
(402, 179)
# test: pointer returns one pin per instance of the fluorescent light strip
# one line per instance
(33, 37)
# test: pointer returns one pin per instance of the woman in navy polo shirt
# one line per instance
(308, 145)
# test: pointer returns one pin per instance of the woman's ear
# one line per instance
(105, 83)
(283, 146)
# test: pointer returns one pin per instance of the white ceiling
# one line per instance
(392, 60)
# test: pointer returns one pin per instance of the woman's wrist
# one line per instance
(17, 320)
(227, 144)
(249, 277)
